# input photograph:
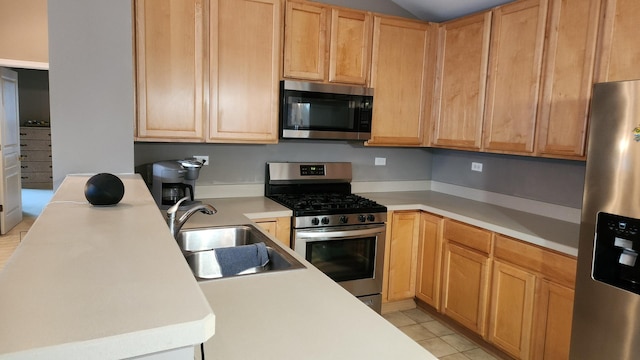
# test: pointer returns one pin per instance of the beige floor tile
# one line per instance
(437, 328)
(418, 315)
(456, 356)
(398, 319)
(459, 342)
(479, 354)
(417, 332)
(437, 347)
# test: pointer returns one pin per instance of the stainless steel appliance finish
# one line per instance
(606, 318)
(340, 233)
(172, 180)
(325, 111)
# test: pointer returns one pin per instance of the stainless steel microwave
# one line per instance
(325, 111)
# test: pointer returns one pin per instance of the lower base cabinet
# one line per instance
(278, 227)
(517, 296)
(511, 316)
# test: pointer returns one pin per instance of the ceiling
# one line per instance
(441, 10)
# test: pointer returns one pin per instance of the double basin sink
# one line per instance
(199, 246)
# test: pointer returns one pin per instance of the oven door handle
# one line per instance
(340, 234)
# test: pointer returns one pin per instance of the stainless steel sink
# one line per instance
(199, 246)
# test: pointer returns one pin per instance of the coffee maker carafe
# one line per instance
(173, 180)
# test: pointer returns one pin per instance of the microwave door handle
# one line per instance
(340, 234)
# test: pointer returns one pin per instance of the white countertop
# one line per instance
(99, 282)
(547, 232)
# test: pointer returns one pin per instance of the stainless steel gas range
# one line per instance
(340, 233)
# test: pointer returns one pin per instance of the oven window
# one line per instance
(344, 260)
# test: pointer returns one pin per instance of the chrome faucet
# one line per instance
(176, 225)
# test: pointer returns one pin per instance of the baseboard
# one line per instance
(400, 305)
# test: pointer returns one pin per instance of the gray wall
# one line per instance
(91, 86)
(381, 6)
(231, 164)
(553, 181)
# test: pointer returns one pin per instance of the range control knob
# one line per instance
(315, 221)
(343, 219)
(325, 220)
(370, 217)
(362, 218)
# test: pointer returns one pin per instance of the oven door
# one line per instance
(351, 255)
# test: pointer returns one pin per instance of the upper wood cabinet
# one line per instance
(244, 64)
(197, 64)
(515, 61)
(170, 75)
(619, 53)
(329, 44)
(461, 73)
(567, 78)
(402, 56)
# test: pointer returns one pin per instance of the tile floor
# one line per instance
(442, 341)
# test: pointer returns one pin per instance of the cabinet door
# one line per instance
(350, 46)
(515, 59)
(403, 252)
(305, 40)
(461, 73)
(244, 66)
(170, 76)
(567, 77)
(465, 286)
(619, 48)
(398, 75)
(429, 259)
(554, 316)
(278, 227)
(512, 297)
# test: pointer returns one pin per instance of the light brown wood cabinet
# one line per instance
(402, 249)
(429, 259)
(244, 65)
(511, 314)
(401, 67)
(515, 62)
(619, 51)
(279, 227)
(532, 300)
(461, 76)
(170, 54)
(196, 65)
(465, 274)
(567, 78)
(325, 43)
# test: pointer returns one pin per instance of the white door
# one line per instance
(10, 183)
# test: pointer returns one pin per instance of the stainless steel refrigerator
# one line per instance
(606, 317)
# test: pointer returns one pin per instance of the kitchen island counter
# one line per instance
(103, 282)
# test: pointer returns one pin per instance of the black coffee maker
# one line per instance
(173, 180)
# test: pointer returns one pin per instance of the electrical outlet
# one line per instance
(204, 158)
(380, 161)
(475, 166)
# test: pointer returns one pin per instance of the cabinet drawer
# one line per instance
(28, 133)
(36, 166)
(36, 177)
(35, 155)
(468, 235)
(553, 266)
(35, 145)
